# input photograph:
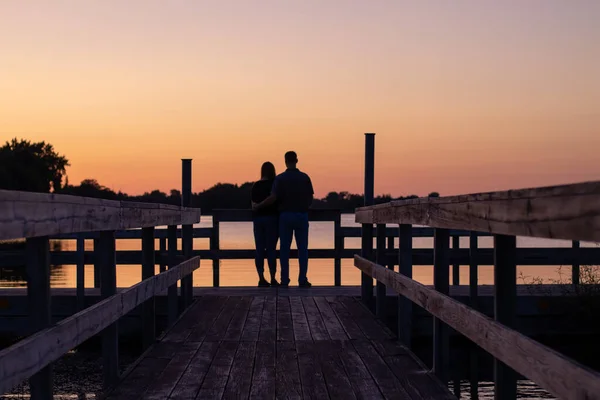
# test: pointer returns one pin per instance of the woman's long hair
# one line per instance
(267, 170)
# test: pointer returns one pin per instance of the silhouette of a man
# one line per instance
(294, 193)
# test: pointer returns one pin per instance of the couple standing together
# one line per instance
(280, 206)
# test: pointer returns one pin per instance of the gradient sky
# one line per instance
(464, 96)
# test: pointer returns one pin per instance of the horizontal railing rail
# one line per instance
(27, 357)
(570, 212)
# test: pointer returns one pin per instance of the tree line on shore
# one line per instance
(37, 167)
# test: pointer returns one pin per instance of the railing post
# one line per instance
(380, 259)
(575, 276)
(455, 266)
(187, 231)
(338, 243)
(80, 272)
(37, 259)
(505, 304)
(390, 248)
(106, 260)
(214, 247)
(97, 271)
(148, 266)
(172, 300)
(162, 248)
(367, 229)
(441, 266)
(405, 268)
(474, 300)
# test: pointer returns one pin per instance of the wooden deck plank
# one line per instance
(371, 327)
(332, 324)
(361, 380)
(184, 327)
(139, 379)
(264, 371)
(285, 330)
(352, 329)
(238, 320)
(218, 329)
(162, 387)
(384, 378)
(336, 379)
(240, 376)
(311, 375)
(189, 385)
(268, 320)
(218, 373)
(252, 327)
(211, 309)
(299, 321)
(315, 321)
(287, 374)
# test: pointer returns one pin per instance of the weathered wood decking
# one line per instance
(266, 347)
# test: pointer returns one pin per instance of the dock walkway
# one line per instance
(278, 346)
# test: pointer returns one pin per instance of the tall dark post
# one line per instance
(441, 278)
(106, 256)
(505, 304)
(37, 259)
(187, 238)
(367, 229)
(405, 268)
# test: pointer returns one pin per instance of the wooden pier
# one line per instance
(314, 343)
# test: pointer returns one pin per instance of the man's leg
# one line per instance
(302, 243)
(285, 237)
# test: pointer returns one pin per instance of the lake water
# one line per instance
(238, 235)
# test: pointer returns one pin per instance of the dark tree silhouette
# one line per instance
(32, 167)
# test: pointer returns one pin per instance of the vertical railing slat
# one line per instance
(505, 302)
(405, 268)
(106, 260)
(173, 301)
(148, 266)
(338, 243)
(80, 272)
(441, 283)
(474, 302)
(37, 260)
(380, 259)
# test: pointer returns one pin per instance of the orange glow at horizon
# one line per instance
(488, 96)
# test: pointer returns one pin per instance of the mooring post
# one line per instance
(214, 247)
(455, 265)
(505, 304)
(80, 272)
(405, 268)
(575, 274)
(172, 300)
(148, 266)
(37, 260)
(187, 231)
(441, 265)
(107, 261)
(338, 244)
(474, 300)
(381, 260)
(367, 229)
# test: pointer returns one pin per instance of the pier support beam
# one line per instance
(405, 268)
(173, 301)
(381, 260)
(148, 309)
(441, 266)
(106, 259)
(366, 282)
(37, 260)
(505, 304)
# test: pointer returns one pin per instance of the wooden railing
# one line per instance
(420, 256)
(569, 212)
(36, 217)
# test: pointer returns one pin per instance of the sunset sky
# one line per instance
(465, 96)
